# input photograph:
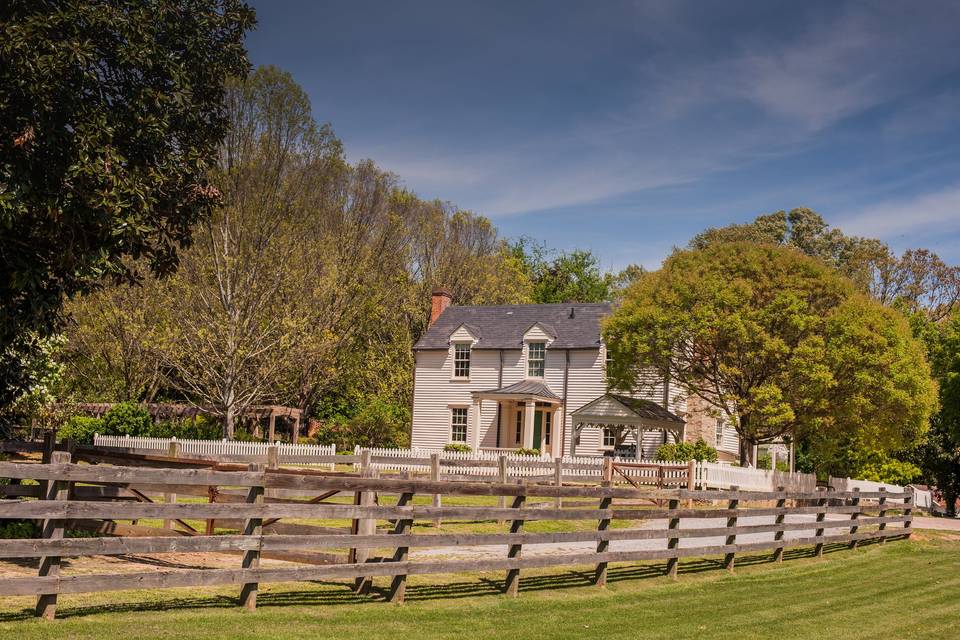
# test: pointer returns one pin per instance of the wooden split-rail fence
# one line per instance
(687, 520)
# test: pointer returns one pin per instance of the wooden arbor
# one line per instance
(163, 410)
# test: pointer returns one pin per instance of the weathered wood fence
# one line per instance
(848, 518)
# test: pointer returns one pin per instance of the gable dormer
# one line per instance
(536, 339)
(462, 340)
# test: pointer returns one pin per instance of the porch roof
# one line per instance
(533, 389)
(611, 410)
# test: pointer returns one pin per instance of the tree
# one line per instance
(564, 277)
(226, 307)
(112, 338)
(940, 454)
(110, 116)
(918, 280)
(775, 340)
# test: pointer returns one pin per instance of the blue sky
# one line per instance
(627, 127)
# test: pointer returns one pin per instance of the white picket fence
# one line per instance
(707, 475)
(286, 452)
(713, 475)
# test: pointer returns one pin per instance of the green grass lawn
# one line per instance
(902, 589)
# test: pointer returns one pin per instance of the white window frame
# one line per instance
(455, 413)
(543, 360)
(606, 434)
(719, 433)
(547, 428)
(459, 346)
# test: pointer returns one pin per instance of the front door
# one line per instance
(537, 428)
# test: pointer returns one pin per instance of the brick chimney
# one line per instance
(440, 300)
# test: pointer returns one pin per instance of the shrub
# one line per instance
(686, 451)
(198, 428)
(458, 447)
(81, 429)
(19, 529)
(523, 451)
(127, 419)
(379, 422)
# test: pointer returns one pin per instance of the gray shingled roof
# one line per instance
(647, 409)
(502, 327)
(526, 387)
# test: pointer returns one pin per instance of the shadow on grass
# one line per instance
(340, 593)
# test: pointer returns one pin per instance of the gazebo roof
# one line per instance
(613, 409)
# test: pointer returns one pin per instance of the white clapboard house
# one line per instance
(533, 376)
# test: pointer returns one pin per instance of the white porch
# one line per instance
(530, 417)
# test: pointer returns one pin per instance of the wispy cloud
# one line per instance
(937, 212)
(758, 96)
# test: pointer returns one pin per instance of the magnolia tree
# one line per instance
(778, 342)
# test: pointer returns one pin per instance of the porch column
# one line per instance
(529, 407)
(559, 431)
(475, 434)
(638, 437)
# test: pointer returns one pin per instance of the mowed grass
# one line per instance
(901, 589)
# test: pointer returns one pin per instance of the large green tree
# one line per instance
(110, 115)
(939, 456)
(777, 341)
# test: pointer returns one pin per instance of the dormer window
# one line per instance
(536, 356)
(461, 360)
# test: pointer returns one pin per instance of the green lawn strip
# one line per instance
(897, 590)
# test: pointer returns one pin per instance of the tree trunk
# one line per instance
(746, 444)
(228, 423)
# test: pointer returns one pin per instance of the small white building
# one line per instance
(534, 376)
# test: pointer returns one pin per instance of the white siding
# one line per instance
(435, 392)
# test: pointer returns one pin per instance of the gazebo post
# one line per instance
(271, 433)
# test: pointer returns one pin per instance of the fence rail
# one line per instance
(694, 530)
(480, 465)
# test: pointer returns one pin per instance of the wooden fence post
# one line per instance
(607, 478)
(778, 536)
(821, 516)
(728, 560)
(502, 479)
(512, 586)
(600, 575)
(855, 516)
(53, 530)
(673, 543)
(363, 526)
(908, 504)
(171, 498)
(404, 526)
(883, 512)
(251, 559)
(558, 478)
(435, 477)
(273, 463)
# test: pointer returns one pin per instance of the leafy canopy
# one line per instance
(777, 341)
(110, 115)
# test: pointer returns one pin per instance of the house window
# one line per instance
(461, 361)
(458, 424)
(609, 438)
(719, 432)
(536, 353)
(547, 424)
(519, 425)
